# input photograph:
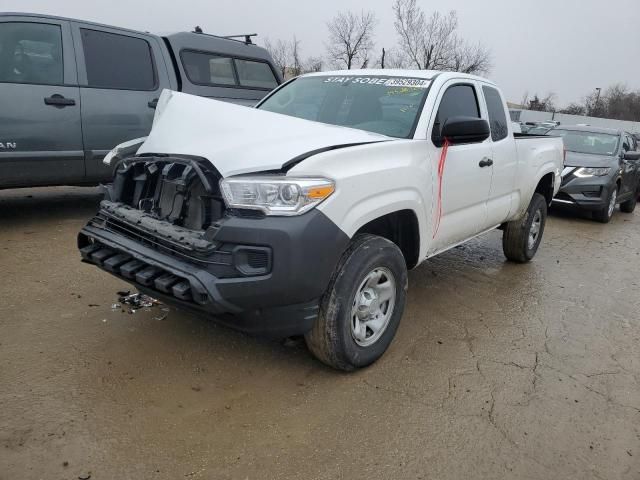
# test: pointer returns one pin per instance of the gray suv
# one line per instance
(72, 90)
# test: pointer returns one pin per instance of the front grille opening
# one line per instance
(181, 191)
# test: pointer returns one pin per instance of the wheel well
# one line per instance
(545, 187)
(401, 228)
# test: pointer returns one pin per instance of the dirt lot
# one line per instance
(497, 370)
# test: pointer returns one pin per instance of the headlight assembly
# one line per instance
(592, 172)
(277, 195)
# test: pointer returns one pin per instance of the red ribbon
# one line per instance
(441, 162)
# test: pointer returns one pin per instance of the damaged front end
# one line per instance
(164, 227)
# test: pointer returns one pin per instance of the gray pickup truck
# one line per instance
(71, 90)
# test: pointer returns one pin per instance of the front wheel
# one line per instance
(630, 205)
(604, 215)
(521, 238)
(363, 305)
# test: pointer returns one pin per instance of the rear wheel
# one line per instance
(604, 215)
(521, 238)
(361, 310)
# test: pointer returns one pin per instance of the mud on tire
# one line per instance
(516, 243)
(332, 340)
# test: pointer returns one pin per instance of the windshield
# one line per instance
(588, 142)
(379, 104)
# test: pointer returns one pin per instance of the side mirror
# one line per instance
(465, 130)
(631, 155)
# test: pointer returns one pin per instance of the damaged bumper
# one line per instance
(261, 275)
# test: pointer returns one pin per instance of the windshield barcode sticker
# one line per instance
(407, 82)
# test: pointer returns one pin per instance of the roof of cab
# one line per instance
(396, 72)
(215, 44)
(178, 40)
(55, 17)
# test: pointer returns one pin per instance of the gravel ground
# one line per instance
(497, 371)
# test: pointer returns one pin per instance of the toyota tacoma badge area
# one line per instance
(302, 216)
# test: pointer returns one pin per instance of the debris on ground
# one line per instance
(161, 317)
(135, 301)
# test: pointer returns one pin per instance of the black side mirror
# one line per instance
(465, 130)
(631, 155)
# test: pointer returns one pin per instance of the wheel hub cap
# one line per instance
(534, 230)
(612, 202)
(373, 306)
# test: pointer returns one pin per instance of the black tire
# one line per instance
(605, 215)
(331, 340)
(515, 238)
(630, 205)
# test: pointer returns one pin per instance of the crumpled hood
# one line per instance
(574, 159)
(237, 139)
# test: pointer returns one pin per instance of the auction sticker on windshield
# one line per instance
(384, 81)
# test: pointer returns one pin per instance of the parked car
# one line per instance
(538, 130)
(602, 169)
(302, 216)
(71, 90)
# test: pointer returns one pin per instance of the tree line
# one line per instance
(617, 102)
(424, 42)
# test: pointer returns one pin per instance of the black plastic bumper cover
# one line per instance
(304, 253)
(591, 193)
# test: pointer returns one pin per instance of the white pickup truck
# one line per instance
(302, 215)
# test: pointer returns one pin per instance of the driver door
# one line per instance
(461, 203)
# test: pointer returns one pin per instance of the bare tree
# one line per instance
(286, 55)
(545, 104)
(468, 58)
(573, 109)
(296, 63)
(432, 43)
(351, 38)
(392, 58)
(313, 64)
(279, 51)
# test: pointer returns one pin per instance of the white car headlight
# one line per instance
(276, 195)
(592, 172)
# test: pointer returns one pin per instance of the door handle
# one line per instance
(485, 162)
(153, 103)
(58, 100)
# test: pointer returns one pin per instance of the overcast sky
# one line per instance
(568, 47)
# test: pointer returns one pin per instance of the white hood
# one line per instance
(237, 139)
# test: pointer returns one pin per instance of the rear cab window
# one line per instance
(497, 116)
(118, 61)
(31, 53)
(210, 69)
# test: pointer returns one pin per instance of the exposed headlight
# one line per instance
(592, 172)
(275, 195)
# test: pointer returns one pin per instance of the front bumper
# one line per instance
(260, 275)
(589, 193)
